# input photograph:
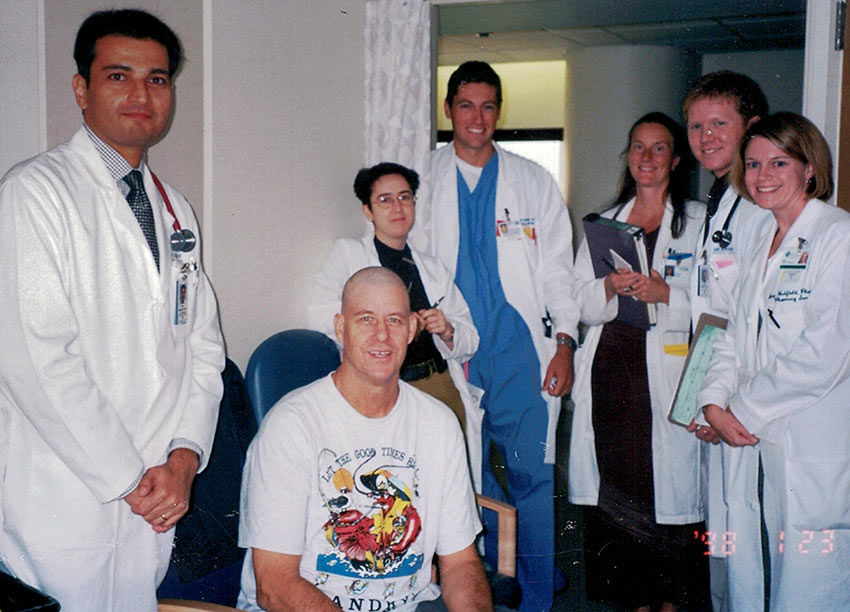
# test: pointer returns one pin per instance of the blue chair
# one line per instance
(286, 361)
(206, 562)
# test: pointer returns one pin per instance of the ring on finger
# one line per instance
(163, 517)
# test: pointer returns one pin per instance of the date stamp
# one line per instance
(812, 542)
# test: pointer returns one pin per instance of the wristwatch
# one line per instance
(565, 340)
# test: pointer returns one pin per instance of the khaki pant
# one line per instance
(442, 387)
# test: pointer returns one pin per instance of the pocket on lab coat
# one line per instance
(676, 342)
(784, 325)
(722, 282)
(818, 494)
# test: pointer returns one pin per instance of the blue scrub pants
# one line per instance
(515, 421)
(515, 416)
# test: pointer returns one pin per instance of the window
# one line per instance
(544, 146)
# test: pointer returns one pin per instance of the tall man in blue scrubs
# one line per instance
(498, 221)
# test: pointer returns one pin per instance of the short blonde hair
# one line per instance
(739, 89)
(800, 139)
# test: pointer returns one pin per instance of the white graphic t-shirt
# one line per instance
(365, 502)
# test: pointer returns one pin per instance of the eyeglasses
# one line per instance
(403, 199)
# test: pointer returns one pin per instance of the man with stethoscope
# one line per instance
(111, 347)
(718, 109)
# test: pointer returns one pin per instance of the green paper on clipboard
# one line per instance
(684, 407)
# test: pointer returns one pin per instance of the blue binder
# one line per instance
(605, 236)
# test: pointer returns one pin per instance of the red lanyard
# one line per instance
(176, 224)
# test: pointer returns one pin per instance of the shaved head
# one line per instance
(374, 328)
(372, 277)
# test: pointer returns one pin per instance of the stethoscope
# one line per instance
(723, 237)
(182, 240)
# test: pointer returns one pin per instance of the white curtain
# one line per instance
(398, 84)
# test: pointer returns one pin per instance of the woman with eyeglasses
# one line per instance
(447, 336)
(779, 379)
(636, 473)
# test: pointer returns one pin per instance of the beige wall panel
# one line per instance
(287, 138)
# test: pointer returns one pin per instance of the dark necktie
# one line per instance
(715, 194)
(141, 207)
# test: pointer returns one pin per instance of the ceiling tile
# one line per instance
(589, 36)
(536, 28)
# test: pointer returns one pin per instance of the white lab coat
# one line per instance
(723, 263)
(720, 267)
(95, 380)
(536, 272)
(788, 385)
(675, 452)
(352, 254)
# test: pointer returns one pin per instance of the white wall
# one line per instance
(266, 138)
(21, 125)
(778, 73)
(288, 137)
(608, 89)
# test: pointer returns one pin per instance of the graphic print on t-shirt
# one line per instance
(373, 524)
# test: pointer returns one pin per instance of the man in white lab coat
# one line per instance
(718, 109)
(110, 367)
(497, 221)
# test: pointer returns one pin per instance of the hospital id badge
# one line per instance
(184, 288)
(703, 284)
(181, 303)
(505, 228)
(677, 265)
(793, 265)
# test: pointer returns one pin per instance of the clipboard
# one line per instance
(684, 407)
(614, 244)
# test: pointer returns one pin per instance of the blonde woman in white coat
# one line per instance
(779, 379)
(638, 472)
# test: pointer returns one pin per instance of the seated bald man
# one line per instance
(354, 482)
